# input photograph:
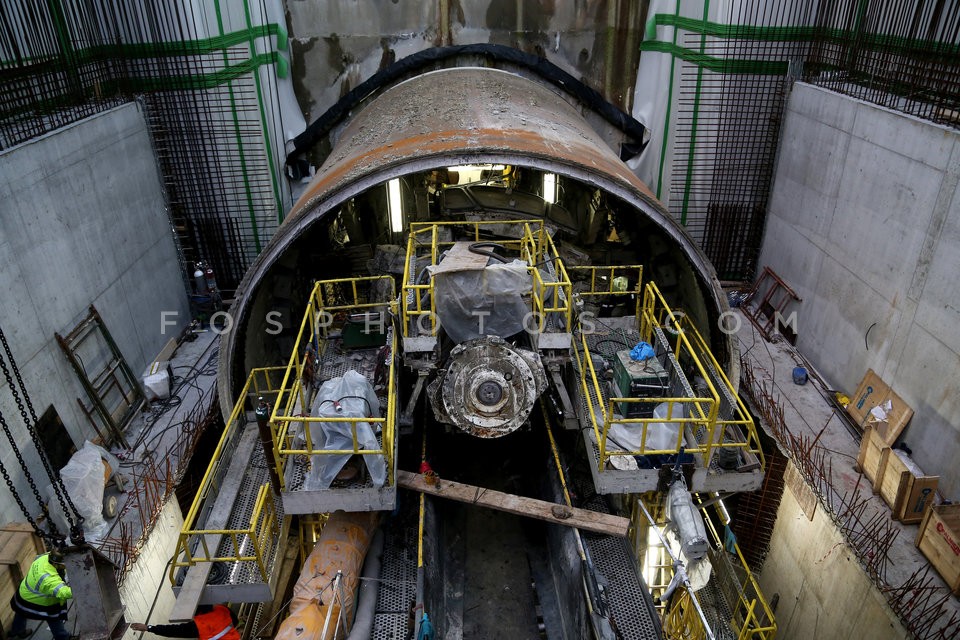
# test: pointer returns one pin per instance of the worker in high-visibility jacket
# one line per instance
(42, 595)
(215, 622)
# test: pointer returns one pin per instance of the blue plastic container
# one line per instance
(799, 375)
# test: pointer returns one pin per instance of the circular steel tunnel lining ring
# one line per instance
(475, 116)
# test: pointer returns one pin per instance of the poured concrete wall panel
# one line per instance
(864, 224)
(82, 221)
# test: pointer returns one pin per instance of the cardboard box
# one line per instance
(939, 541)
(873, 392)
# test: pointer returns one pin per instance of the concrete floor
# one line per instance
(807, 411)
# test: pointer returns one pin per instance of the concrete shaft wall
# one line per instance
(82, 221)
(864, 223)
(143, 601)
(823, 592)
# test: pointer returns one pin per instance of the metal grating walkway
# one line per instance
(398, 587)
(629, 600)
(247, 572)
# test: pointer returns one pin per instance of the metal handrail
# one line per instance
(289, 420)
(750, 626)
(612, 272)
(741, 415)
(263, 519)
(534, 246)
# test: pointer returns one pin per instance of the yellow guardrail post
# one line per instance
(190, 535)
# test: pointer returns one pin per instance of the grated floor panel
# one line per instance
(716, 611)
(398, 589)
(247, 572)
(626, 593)
(631, 607)
(333, 363)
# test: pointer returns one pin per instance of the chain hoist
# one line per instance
(72, 514)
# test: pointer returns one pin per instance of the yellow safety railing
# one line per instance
(681, 613)
(699, 413)
(753, 618)
(534, 246)
(737, 430)
(683, 411)
(603, 281)
(252, 543)
(290, 419)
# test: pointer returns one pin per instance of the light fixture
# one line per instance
(395, 205)
(550, 187)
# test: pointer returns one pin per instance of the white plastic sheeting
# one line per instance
(348, 396)
(83, 477)
(479, 302)
(660, 435)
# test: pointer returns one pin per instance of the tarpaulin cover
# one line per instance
(488, 301)
(348, 396)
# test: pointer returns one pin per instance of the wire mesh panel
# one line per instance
(901, 54)
(210, 111)
(734, 77)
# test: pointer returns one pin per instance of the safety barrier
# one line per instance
(290, 418)
(682, 617)
(753, 618)
(550, 293)
(611, 281)
(712, 419)
(252, 543)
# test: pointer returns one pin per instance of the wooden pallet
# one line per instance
(19, 546)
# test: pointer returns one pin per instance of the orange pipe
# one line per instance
(342, 547)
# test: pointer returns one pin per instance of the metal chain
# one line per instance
(54, 534)
(63, 496)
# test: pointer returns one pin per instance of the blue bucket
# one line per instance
(799, 375)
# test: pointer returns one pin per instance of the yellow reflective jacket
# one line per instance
(43, 585)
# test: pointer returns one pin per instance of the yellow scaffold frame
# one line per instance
(534, 246)
(700, 411)
(753, 619)
(288, 420)
(194, 544)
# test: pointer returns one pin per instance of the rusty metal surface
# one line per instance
(460, 116)
(489, 387)
(465, 114)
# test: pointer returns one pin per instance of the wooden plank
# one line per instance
(518, 505)
(918, 499)
(872, 458)
(894, 483)
(940, 543)
(915, 491)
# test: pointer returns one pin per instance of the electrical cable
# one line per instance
(478, 248)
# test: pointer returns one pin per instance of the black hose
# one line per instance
(414, 63)
(478, 248)
(368, 591)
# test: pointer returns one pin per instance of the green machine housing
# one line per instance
(639, 379)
